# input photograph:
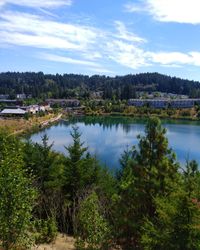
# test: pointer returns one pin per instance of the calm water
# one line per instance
(108, 137)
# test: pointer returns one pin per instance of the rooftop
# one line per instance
(17, 111)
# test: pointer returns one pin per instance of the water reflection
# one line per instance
(108, 137)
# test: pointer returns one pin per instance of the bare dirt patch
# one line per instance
(62, 242)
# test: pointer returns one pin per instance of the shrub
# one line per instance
(45, 230)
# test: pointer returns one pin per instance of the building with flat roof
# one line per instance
(13, 112)
(5, 97)
(164, 103)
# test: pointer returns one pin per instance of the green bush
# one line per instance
(45, 230)
(93, 229)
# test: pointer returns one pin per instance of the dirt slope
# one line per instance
(61, 243)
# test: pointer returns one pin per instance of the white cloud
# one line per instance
(124, 34)
(92, 55)
(133, 7)
(127, 54)
(180, 11)
(195, 58)
(132, 56)
(101, 70)
(171, 66)
(37, 3)
(31, 30)
(90, 45)
(42, 41)
(175, 58)
(62, 59)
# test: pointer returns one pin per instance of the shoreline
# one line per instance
(143, 116)
(37, 126)
(40, 126)
(23, 127)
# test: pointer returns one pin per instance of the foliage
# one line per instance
(149, 173)
(42, 86)
(17, 196)
(81, 173)
(93, 230)
(45, 230)
(81, 168)
(48, 169)
(149, 203)
(176, 225)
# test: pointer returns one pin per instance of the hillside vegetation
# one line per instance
(41, 85)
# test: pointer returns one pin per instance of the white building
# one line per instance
(44, 107)
(14, 112)
(33, 109)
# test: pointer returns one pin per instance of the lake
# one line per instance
(108, 137)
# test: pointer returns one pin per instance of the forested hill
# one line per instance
(70, 85)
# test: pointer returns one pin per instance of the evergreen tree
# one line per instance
(81, 169)
(149, 173)
(176, 225)
(48, 169)
(186, 222)
(81, 172)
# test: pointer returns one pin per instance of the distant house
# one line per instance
(64, 102)
(13, 112)
(44, 107)
(5, 97)
(10, 102)
(21, 96)
(33, 109)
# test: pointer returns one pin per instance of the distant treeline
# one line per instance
(41, 85)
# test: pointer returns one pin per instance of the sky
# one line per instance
(106, 37)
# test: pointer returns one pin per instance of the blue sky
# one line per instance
(110, 37)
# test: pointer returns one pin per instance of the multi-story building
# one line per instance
(164, 103)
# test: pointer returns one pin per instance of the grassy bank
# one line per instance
(22, 126)
(191, 114)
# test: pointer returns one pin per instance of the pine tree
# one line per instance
(48, 169)
(149, 173)
(81, 173)
(186, 222)
(177, 224)
(81, 169)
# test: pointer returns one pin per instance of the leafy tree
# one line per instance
(17, 196)
(93, 230)
(45, 231)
